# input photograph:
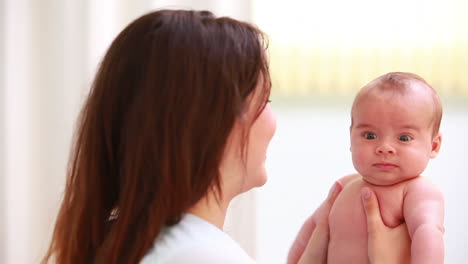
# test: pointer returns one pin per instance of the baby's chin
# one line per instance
(385, 182)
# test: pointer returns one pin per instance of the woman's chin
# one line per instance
(258, 181)
(262, 180)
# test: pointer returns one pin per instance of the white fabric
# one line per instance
(195, 241)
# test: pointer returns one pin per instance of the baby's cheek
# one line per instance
(417, 163)
(359, 161)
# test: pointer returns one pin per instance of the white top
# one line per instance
(195, 241)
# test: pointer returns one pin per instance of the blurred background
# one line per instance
(321, 53)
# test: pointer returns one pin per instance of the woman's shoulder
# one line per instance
(193, 240)
(210, 253)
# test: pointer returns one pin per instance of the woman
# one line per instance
(177, 124)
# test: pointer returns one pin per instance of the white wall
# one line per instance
(44, 77)
(3, 202)
(311, 150)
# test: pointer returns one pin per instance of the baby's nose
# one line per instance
(385, 148)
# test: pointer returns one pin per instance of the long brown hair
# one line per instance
(151, 134)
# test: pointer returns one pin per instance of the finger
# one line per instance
(371, 207)
(328, 203)
(402, 244)
(402, 232)
(301, 241)
(317, 248)
(332, 195)
(318, 243)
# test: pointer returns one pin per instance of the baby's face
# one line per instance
(392, 138)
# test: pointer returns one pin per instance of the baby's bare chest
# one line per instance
(348, 224)
(348, 205)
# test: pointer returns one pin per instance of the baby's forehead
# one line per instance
(391, 93)
(400, 89)
(406, 107)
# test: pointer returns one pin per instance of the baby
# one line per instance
(394, 131)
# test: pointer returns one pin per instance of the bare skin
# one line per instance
(311, 244)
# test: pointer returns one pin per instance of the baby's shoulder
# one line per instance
(350, 179)
(423, 186)
(420, 182)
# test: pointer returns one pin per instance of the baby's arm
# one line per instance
(423, 210)
(309, 225)
(302, 238)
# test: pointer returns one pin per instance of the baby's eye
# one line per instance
(370, 136)
(405, 138)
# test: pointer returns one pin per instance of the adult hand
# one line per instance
(313, 248)
(385, 245)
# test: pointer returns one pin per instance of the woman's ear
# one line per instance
(436, 141)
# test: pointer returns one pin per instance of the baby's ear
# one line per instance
(436, 141)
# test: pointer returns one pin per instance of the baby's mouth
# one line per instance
(385, 165)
